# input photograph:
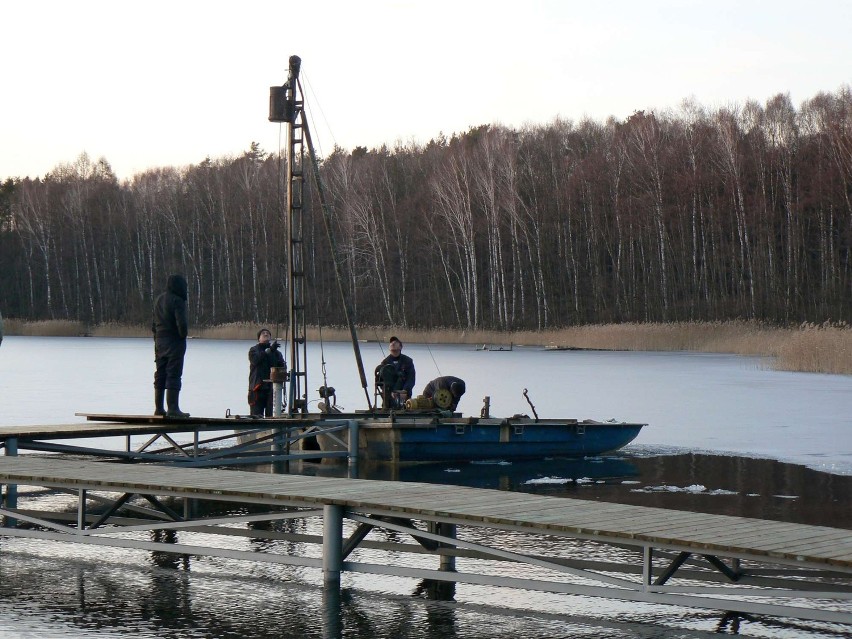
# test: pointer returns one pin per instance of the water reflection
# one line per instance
(436, 590)
(721, 484)
(525, 476)
(70, 597)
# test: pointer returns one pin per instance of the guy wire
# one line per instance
(438, 368)
(381, 343)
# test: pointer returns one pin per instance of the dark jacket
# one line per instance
(446, 383)
(405, 374)
(261, 360)
(170, 321)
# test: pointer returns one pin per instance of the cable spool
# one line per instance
(443, 398)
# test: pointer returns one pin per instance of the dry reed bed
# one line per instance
(825, 348)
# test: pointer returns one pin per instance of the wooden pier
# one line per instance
(226, 441)
(673, 557)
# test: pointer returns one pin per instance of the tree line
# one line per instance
(694, 214)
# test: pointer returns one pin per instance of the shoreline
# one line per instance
(813, 348)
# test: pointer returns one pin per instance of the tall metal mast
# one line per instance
(287, 105)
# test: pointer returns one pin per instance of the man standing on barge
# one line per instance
(170, 327)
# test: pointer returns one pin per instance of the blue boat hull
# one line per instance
(451, 439)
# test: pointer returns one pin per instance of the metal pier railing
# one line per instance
(641, 554)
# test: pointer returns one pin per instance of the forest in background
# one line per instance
(694, 215)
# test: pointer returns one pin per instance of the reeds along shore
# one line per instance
(825, 348)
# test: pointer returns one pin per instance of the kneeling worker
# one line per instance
(453, 388)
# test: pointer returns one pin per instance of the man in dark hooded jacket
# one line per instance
(455, 385)
(170, 328)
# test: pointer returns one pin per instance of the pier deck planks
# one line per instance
(536, 513)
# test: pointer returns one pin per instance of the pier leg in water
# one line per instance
(11, 497)
(332, 546)
(448, 562)
(332, 563)
(332, 622)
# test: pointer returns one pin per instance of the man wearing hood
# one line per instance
(170, 329)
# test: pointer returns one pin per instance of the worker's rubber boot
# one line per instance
(172, 396)
(159, 399)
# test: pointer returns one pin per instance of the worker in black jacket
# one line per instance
(395, 376)
(455, 385)
(170, 328)
(263, 356)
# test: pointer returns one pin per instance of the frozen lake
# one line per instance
(694, 402)
(726, 434)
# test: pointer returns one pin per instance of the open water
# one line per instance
(726, 434)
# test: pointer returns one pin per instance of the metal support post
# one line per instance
(647, 569)
(286, 434)
(448, 562)
(81, 510)
(277, 398)
(332, 622)
(11, 489)
(332, 545)
(278, 441)
(353, 448)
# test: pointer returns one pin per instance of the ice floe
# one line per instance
(696, 489)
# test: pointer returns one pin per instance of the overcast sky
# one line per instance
(168, 83)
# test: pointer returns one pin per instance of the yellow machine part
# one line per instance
(443, 398)
(419, 402)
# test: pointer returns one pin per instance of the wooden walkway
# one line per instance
(684, 558)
